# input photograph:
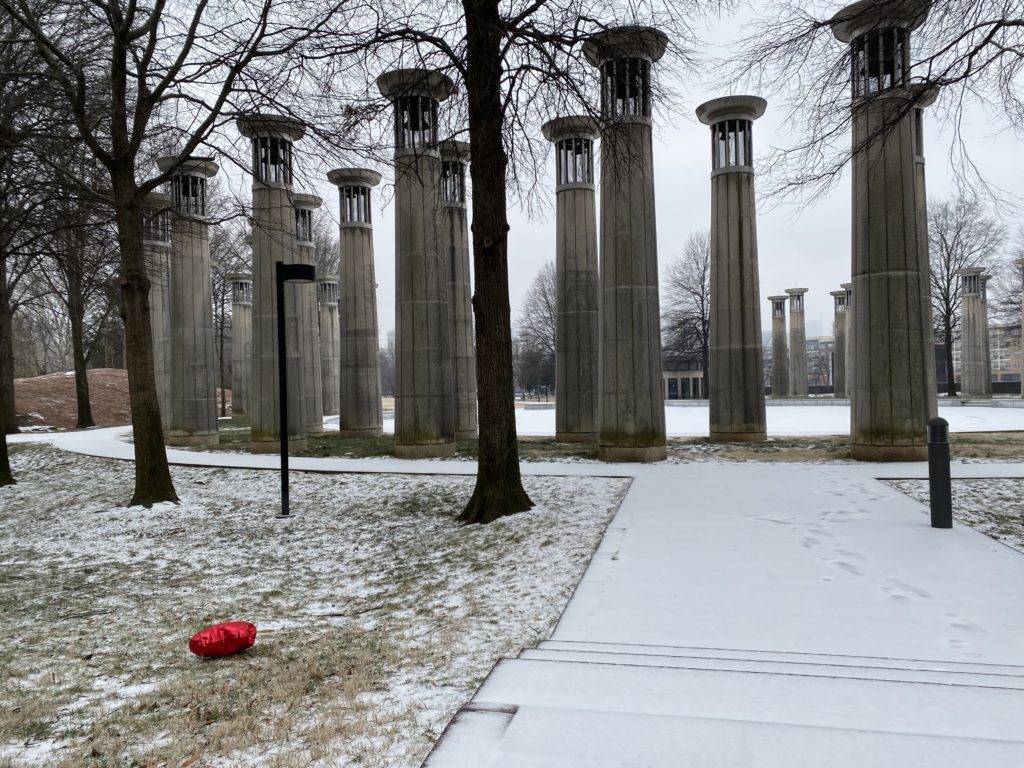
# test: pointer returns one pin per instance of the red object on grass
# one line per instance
(223, 639)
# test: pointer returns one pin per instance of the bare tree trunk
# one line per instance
(947, 328)
(76, 313)
(6, 478)
(499, 487)
(8, 415)
(152, 475)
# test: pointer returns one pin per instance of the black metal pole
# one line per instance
(939, 487)
(282, 386)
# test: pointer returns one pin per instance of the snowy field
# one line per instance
(378, 614)
(784, 420)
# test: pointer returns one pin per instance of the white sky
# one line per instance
(808, 247)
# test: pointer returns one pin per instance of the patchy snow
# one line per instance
(393, 610)
(994, 506)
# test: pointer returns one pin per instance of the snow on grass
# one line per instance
(378, 614)
(993, 506)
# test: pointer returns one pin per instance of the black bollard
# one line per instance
(940, 492)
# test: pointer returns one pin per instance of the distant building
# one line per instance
(683, 377)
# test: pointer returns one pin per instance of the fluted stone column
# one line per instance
(839, 345)
(1019, 263)
(891, 401)
(851, 341)
(359, 405)
(797, 343)
(975, 366)
(631, 405)
(736, 359)
(330, 343)
(156, 243)
(577, 320)
(986, 341)
(424, 392)
(192, 357)
(780, 349)
(273, 240)
(241, 342)
(304, 295)
(924, 96)
(455, 248)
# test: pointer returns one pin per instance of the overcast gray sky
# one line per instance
(807, 247)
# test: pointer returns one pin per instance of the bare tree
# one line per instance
(686, 307)
(135, 80)
(535, 342)
(228, 254)
(972, 51)
(961, 234)
(1007, 285)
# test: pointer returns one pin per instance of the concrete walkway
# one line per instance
(768, 615)
(748, 615)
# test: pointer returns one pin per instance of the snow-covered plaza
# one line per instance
(733, 613)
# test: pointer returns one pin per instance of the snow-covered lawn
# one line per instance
(378, 614)
(993, 506)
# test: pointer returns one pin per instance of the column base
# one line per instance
(315, 429)
(274, 446)
(425, 451)
(467, 434)
(191, 440)
(632, 454)
(370, 432)
(575, 437)
(738, 437)
(889, 452)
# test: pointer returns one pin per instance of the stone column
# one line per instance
(273, 240)
(156, 243)
(577, 320)
(304, 295)
(890, 398)
(424, 395)
(192, 357)
(780, 349)
(986, 346)
(924, 96)
(330, 344)
(839, 347)
(736, 359)
(851, 341)
(455, 248)
(359, 405)
(1020, 265)
(631, 405)
(974, 367)
(797, 343)
(241, 342)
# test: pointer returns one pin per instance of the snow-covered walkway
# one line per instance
(750, 614)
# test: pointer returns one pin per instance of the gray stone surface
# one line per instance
(839, 346)
(157, 252)
(1019, 263)
(424, 392)
(304, 295)
(736, 359)
(851, 342)
(359, 405)
(455, 247)
(797, 343)
(780, 348)
(924, 97)
(330, 343)
(273, 240)
(891, 400)
(241, 341)
(631, 405)
(192, 360)
(975, 363)
(577, 335)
